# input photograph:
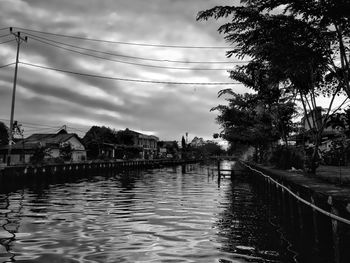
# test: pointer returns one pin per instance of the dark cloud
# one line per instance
(51, 97)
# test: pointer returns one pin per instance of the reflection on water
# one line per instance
(163, 215)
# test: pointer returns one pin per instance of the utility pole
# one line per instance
(19, 40)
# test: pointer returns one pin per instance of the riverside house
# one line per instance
(23, 150)
(138, 145)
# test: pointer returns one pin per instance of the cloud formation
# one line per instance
(54, 98)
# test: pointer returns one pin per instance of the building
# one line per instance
(23, 150)
(148, 143)
(132, 145)
(314, 120)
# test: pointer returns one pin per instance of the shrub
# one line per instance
(286, 158)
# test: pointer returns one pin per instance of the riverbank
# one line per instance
(325, 184)
(310, 204)
(339, 175)
(28, 171)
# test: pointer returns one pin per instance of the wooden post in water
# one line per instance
(219, 174)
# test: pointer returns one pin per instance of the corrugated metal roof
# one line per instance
(41, 139)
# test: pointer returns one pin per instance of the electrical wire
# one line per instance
(121, 42)
(7, 65)
(31, 130)
(124, 62)
(38, 126)
(4, 28)
(129, 80)
(34, 124)
(4, 35)
(7, 41)
(135, 57)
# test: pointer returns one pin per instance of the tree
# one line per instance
(95, 137)
(330, 16)
(39, 155)
(183, 143)
(66, 151)
(125, 137)
(294, 47)
(4, 136)
(246, 121)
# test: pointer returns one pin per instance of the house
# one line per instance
(132, 145)
(23, 150)
(315, 119)
(148, 143)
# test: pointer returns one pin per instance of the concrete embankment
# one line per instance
(21, 173)
(318, 211)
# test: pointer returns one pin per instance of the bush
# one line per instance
(286, 158)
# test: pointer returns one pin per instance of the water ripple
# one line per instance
(161, 215)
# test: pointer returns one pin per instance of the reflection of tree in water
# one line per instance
(10, 222)
(246, 227)
(127, 179)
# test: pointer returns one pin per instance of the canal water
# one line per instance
(177, 214)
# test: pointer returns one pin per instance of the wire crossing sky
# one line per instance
(147, 66)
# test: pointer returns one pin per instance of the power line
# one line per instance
(123, 43)
(7, 65)
(4, 28)
(135, 57)
(129, 80)
(124, 62)
(34, 124)
(38, 126)
(4, 35)
(31, 130)
(7, 41)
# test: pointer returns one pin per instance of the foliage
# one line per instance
(4, 136)
(341, 120)
(66, 151)
(183, 143)
(94, 139)
(209, 148)
(338, 154)
(286, 158)
(293, 44)
(39, 155)
(127, 152)
(243, 121)
(124, 137)
(330, 16)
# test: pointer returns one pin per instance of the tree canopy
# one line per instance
(4, 136)
(297, 48)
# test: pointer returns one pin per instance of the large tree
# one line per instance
(96, 137)
(332, 17)
(246, 121)
(4, 136)
(293, 43)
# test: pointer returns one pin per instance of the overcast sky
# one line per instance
(53, 98)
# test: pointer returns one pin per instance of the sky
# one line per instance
(47, 99)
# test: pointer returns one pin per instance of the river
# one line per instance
(173, 214)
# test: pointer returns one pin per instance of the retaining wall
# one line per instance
(317, 213)
(25, 173)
